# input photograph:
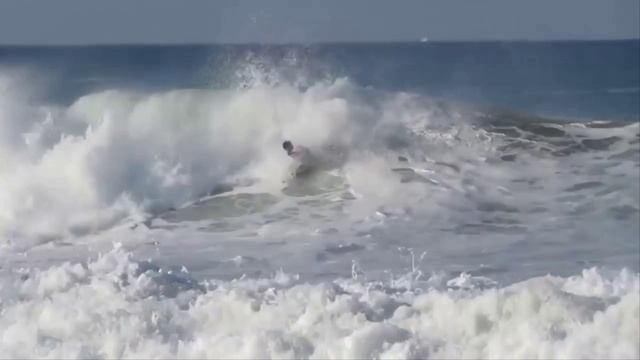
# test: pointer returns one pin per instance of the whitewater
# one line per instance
(141, 221)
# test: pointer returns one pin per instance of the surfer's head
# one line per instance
(287, 145)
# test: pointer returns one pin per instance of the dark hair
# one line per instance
(287, 145)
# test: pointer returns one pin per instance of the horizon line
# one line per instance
(313, 43)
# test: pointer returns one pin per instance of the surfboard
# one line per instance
(314, 182)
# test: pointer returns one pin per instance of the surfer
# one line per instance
(304, 158)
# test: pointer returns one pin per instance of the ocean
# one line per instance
(474, 200)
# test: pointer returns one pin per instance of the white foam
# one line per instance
(116, 308)
(116, 155)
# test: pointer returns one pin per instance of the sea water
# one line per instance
(480, 200)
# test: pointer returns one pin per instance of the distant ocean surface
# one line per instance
(593, 80)
(474, 200)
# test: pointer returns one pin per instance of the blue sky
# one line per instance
(306, 21)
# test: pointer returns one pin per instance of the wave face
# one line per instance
(429, 202)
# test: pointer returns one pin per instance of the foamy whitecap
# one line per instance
(113, 307)
(71, 170)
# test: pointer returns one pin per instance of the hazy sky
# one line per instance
(278, 21)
